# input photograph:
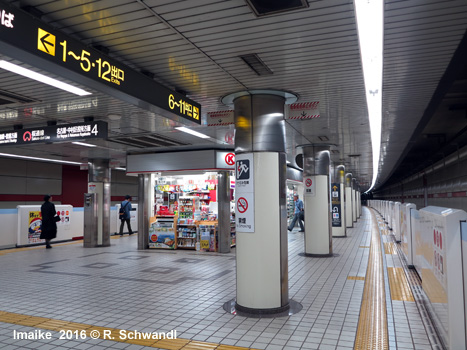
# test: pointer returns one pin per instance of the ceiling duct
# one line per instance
(145, 141)
(256, 64)
(7, 97)
(269, 7)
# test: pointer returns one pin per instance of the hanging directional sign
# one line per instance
(31, 41)
(55, 133)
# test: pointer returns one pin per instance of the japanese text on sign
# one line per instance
(46, 42)
(6, 19)
(185, 107)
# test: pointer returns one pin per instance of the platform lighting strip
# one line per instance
(37, 158)
(42, 78)
(192, 132)
(370, 22)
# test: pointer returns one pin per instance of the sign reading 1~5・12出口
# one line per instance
(31, 41)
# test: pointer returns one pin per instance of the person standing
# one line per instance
(297, 213)
(126, 216)
(49, 221)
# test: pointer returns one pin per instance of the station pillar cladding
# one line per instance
(260, 195)
(354, 199)
(316, 183)
(99, 183)
(145, 208)
(223, 209)
(339, 229)
(348, 200)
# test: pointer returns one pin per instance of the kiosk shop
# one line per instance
(185, 202)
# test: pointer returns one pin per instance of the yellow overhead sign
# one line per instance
(46, 42)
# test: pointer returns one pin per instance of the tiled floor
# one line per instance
(120, 287)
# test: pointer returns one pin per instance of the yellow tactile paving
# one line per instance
(372, 332)
(112, 333)
(358, 278)
(16, 250)
(399, 285)
(389, 248)
(364, 246)
(230, 347)
(196, 345)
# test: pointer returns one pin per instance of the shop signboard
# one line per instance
(225, 160)
(244, 193)
(55, 133)
(336, 205)
(34, 42)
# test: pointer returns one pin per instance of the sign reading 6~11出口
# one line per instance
(31, 41)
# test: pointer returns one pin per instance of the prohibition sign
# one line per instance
(308, 182)
(230, 158)
(242, 205)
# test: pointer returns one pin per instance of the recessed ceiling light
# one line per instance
(42, 78)
(370, 15)
(192, 132)
(84, 144)
(37, 158)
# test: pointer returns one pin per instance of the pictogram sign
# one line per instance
(242, 205)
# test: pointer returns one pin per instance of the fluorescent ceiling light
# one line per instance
(370, 21)
(84, 144)
(195, 133)
(37, 158)
(42, 78)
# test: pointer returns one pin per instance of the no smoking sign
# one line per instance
(244, 216)
(242, 205)
(310, 190)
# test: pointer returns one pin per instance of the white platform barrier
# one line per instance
(390, 214)
(396, 221)
(19, 226)
(8, 218)
(115, 220)
(407, 210)
(438, 253)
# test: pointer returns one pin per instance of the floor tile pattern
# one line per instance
(123, 288)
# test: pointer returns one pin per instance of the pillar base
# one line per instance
(291, 308)
(339, 236)
(318, 255)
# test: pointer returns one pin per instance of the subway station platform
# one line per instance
(361, 298)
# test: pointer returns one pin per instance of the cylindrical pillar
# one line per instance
(260, 194)
(359, 201)
(338, 203)
(144, 209)
(318, 229)
(354, 200)
(348, 200)
(223, 207)
(99, 183)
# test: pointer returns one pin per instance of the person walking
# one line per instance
(126, 216)
(49, 221)
(297, 213)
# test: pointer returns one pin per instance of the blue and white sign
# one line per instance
(244, 193)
